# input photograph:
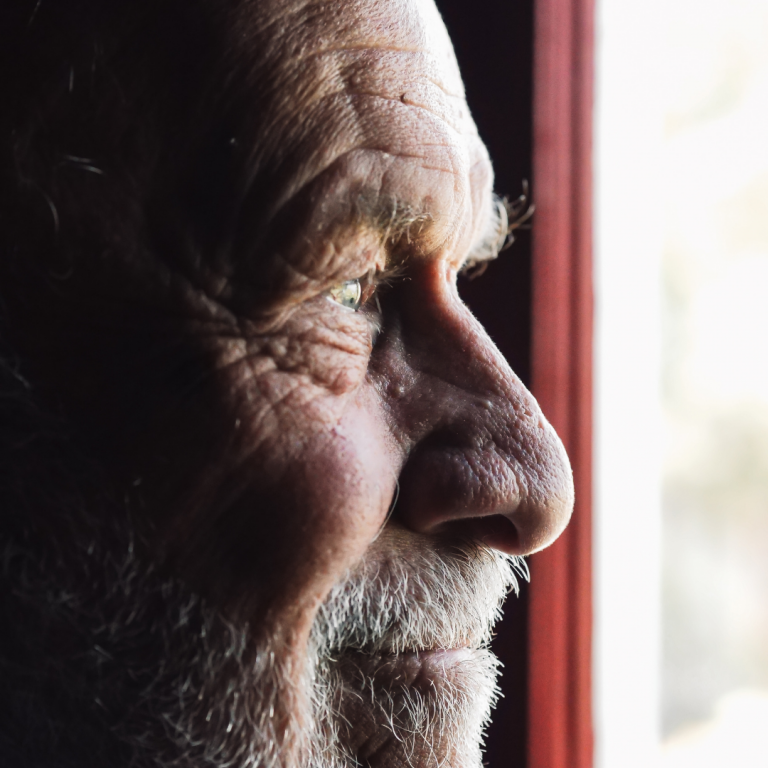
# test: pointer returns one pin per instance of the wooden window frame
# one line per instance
(560, 615)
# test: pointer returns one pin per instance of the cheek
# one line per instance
(349, 476)
(303, 488)
(315, 504)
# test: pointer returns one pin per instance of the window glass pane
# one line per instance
(715, 393)
(682, 342)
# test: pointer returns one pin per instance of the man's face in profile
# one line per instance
(267, 469)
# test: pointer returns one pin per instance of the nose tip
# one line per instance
(513, 493)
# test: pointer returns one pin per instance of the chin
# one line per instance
(425, 708)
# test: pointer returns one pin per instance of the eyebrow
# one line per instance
(393, 219)
(493, 237)
(396, 221)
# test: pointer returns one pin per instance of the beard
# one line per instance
(141, 671)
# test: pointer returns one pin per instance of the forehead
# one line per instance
(349, 101)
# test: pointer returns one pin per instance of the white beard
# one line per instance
(181, 687)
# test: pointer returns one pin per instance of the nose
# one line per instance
(481, 460)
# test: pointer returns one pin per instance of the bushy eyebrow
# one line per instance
(394, 220)
(493, 237)
(397, 222)
(504, 218)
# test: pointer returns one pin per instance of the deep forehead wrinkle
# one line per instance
(381, 50)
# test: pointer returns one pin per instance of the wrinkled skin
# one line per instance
(235, 173)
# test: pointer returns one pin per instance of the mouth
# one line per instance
(426, 671)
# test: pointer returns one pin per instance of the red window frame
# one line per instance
(560, 612)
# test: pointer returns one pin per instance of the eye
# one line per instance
(349, 294)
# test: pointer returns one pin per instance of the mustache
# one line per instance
(437, 597)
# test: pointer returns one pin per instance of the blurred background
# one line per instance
(682, 384)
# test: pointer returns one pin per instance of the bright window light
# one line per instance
(681, 645)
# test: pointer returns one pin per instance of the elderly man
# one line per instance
(265, 480)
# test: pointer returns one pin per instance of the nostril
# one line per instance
(494, 531)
